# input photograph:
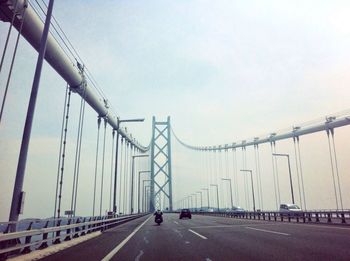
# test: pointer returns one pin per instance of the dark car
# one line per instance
(185, 213)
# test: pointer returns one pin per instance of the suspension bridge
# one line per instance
(107, 186)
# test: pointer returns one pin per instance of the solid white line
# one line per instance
(115, 250)
(194, 232)
(268, 231)
(176, 222)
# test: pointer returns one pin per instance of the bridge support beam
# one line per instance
(161, 175)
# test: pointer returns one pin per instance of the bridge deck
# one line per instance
(215, 238)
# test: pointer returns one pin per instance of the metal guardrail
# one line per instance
(53, 231)
(325, 217)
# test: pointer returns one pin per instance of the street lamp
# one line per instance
(195, 206)
(217, 194)
(200, 192)
(230, 191)
(147, 196)
(116, 161)
(132, 180)
(138, 189)
(207, 196)
(251, 176)
(144, 192)
(290, 173)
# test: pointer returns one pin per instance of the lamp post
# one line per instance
(230, 191)
(200, 192)
(144, 192)
(116, 161)
(18, 195)
(132, 180)
(251, 176)
(290, 173)
(207, 196)
(138, 189)
(147, 196)
(217, 195)
(196, 204)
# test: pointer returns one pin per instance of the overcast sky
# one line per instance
(223, 70)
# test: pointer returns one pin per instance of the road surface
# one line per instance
(213, 238)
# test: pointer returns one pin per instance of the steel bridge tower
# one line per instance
(161, 179)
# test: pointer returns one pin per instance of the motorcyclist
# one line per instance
(158, 215)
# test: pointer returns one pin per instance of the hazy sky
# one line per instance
(224, 71)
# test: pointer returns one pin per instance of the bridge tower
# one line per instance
(161, 179)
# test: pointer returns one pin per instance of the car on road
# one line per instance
(185, 212)
(290, 210)
(237, 211)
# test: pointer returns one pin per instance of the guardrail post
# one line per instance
(309, 217)
(76, 229)
(68, 231)
(96, 224)
(329, 220)
(9, 243)
(343, 218)
(88, 230)
(83, 228)
(269, 216)
(275, 216)
(58, 233)
(27, 241)
(44, 244)
(289, 217)
(317, 218)
(102, 224)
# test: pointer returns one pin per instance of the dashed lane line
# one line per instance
(117, 248)
(139, 255)
(194, 232)
(268, 231)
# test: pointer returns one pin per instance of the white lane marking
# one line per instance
(320, 226)
(176, 222)
(240, 225)
(145, 239)
(139, 255)
(187, 242)
(194, 232)
(207, 259)
(268, 231)
(117, 248)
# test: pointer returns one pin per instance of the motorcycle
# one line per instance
(158, 220)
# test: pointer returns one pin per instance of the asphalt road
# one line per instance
(213, 238)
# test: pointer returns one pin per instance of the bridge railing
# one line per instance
(327, 217)
(39, 234)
